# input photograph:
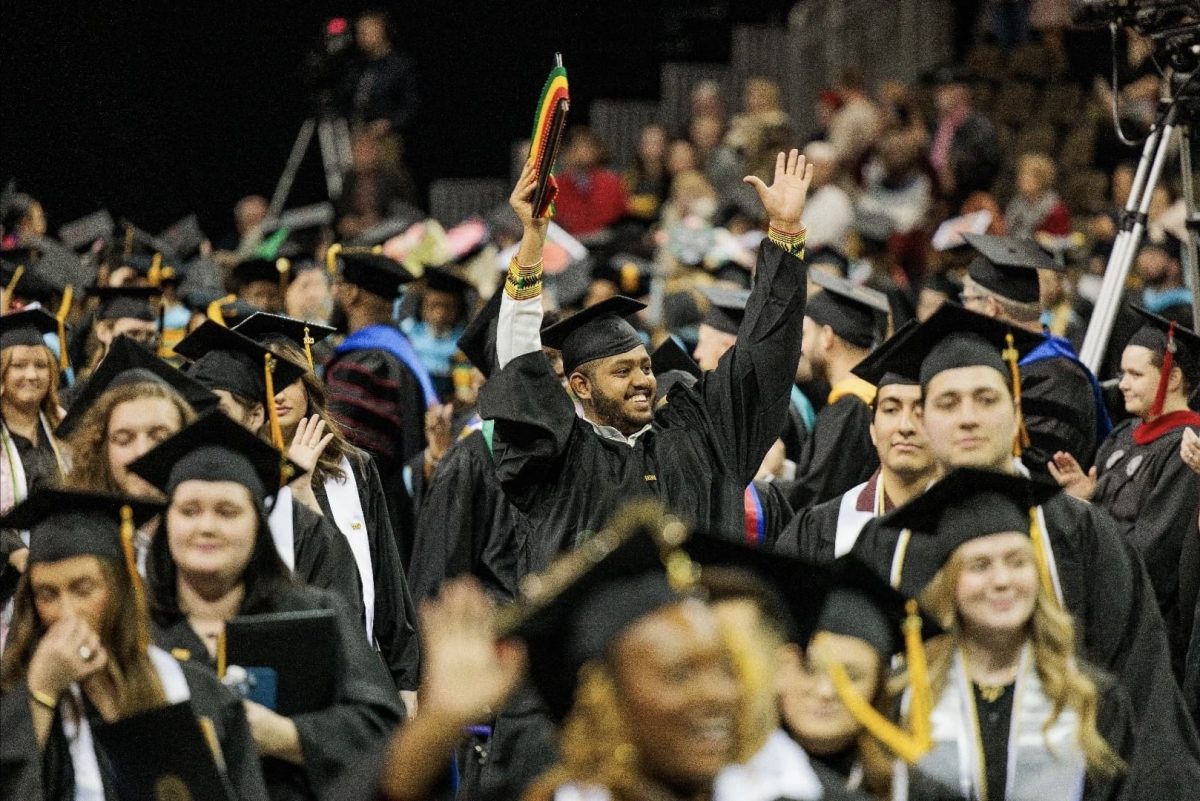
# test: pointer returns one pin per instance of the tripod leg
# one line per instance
(293, 166)
(1190, 257)
(327, 137)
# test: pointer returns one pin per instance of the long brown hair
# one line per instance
(125, 626)
(330, 463)
(49, 405)
(89, 442)
(1051, 633)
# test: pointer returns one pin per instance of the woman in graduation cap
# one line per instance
(1016, 714)
(349, 492)
(79, 655)
(215, 560)
(1139, 476)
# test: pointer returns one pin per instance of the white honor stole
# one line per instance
(348, 514)
(1043, 762)
(88, 784)
(850, 520)
(280, 522)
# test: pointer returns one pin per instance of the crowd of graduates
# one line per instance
(759, 472)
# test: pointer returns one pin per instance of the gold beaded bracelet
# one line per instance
(792, 243)
(523, 282)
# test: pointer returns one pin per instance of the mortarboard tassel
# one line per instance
(1039, 554)
(12, 286)
(154, 276)
(64, 308)
(629, 277)
(331, 254)
(135, 578)
(283, 266)
(1010, 355)
(308, 343)
(221, 654)
(1164, 377)
(921, 706)
(269, 375)
(213, 312)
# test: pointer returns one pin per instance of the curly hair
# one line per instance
(125, 626)
(49, 405)
(90, 468)
(1051, 633)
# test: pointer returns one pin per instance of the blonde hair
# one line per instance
(49, 404)
(1040, 167)
(1051, 634)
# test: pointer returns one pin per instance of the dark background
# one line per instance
(158, 110)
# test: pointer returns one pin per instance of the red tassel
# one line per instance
(1168, 364)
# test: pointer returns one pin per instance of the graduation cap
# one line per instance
(125, 302)
(965, 504)
(856, 314)
(218, 306)
(630, 274)
(184, 236)
(215, 448)
(726, 308)
(82, 233)
(129, 363)
(65, 523)
(1008, 265)
(441, 279)
(26, 328)
(672, 365)
(224, 359)
(374, 272)
(1179, 347)
(875, 367)
(254, 269)
(572, 613)
(266, 328)
(596, 332)
(478, 340)
(864, 606)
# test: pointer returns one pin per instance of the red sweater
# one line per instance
(585, 211)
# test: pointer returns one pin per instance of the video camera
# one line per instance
(1173, 25)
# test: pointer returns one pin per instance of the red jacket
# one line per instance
(585, 211)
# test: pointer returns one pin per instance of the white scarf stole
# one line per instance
(780, 769)
(348, 514)
(279, 520)
(88, 784)
(1041, 764)
(850, 520)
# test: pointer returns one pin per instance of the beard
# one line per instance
(611, 411)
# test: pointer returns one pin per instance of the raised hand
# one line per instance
(309, 442)
(521, 200)
(437, 430)
(784, 199)
(1189, 449)
(1070, 476)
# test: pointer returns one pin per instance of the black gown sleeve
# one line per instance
(812, 533)
(21, 764)
(324, 559)
(749, 392)
(1114, 721)
(837, 456)
(217, 703)
(776, 512)
(1060, 413)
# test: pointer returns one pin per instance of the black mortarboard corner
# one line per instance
(965, 504)
(572, 612)
(726, 308)
(478, 340)
(374, 272)
(121, 302)
(26, 328)
(1008, 265)
(215, 448)
(1179, 346)
(224, 359)
(67, 523)
(166, 747)
(443, 279)
(856, 314)
(251, 270)
(81, 234)
(129, 363)
(875, 369)
(595, 333)
(672, 365)
(266, 328)
(864, 606)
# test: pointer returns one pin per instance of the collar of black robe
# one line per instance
(67, 523)
(856, 314)
(26, 328)
(596, 332)
(1008, 265)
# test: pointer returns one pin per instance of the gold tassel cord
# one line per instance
(283, 267)
(918, 673)
(64, 308)
(1039, 555)
(269, 375)
(1010, 355)
(308, 343)
(12, 287)
(213, 311)
(221, 654)
(901, 743)
(135, 578)
(154, 276)
(331, 256)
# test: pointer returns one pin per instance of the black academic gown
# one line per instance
(1108, 592)
(1155, 497)
(812, 534)
(365, 712)
(702, 449)
(30, 774)
(323, 557)
(395, 615)
(379, 404)
(467, 525)
(1060, 413)
(837, 456)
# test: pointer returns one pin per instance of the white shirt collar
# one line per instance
(608, 432)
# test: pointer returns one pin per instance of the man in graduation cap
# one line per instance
(841, 325)
(966, 365)
(1060, 397)
(439, 322)
(700, 450)
(379, 389)
(261, 282)
(829, 530)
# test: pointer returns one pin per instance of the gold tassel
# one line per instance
(272, 414)
(918, 674)
(308, 343)
(282, 266)
(154, 276)
(331, 254)
(12, 286)
(213, 312)
(1010, 355)
(135, 579)
(1039, 554)
(64, 308)
(221, 654)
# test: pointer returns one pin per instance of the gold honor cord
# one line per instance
(64, 308)
(221, 653)
(154, 275)
(331, 255)
(12, 286)
(1010, 355)
(308, 343)
(135, 579)
(1040, 546)
(272, 413)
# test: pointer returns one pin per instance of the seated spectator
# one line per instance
(829, 213)
(705, 133)
(590, 197)
(964, 154)
(647, 180)
(681, 157)
(1036, 209)
(855, 126)
(895, 185)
